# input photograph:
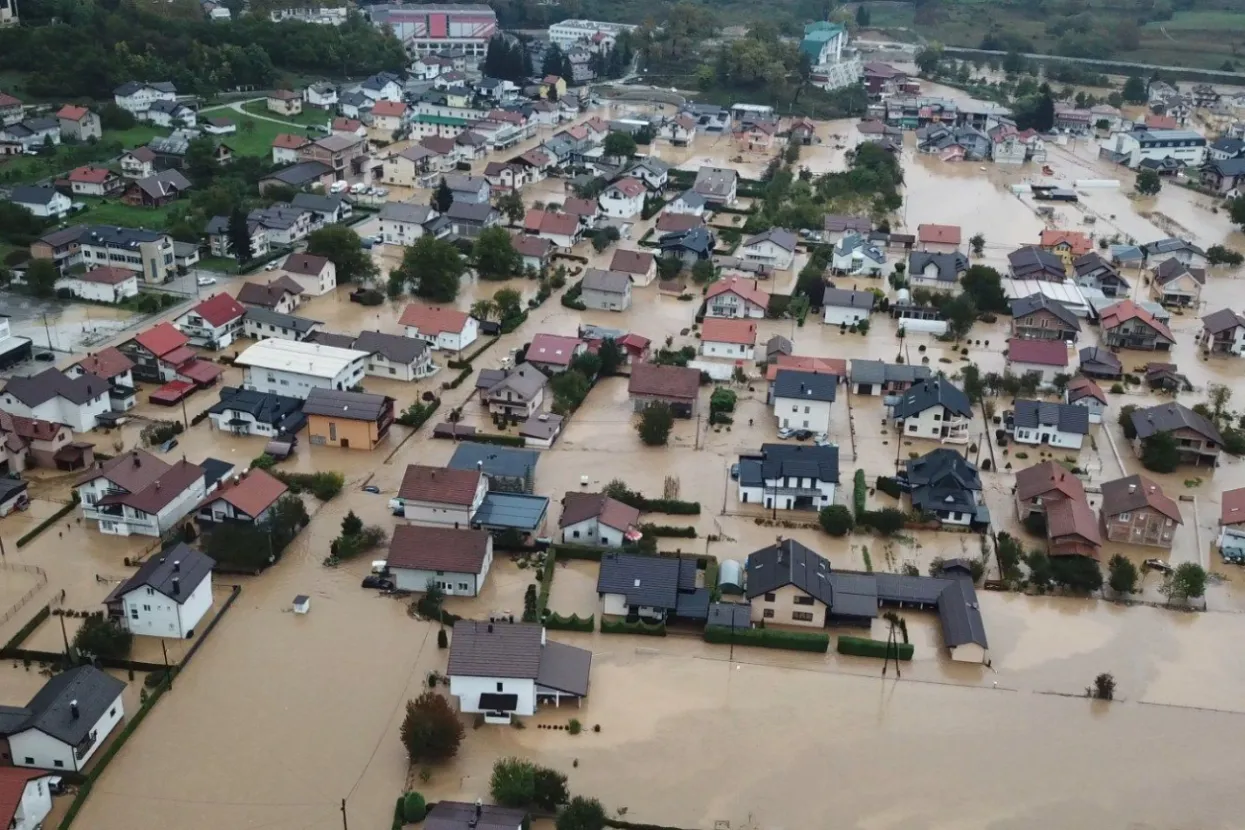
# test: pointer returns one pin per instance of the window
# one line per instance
(770, 597)
(1124, 517)
(332, 431)
(806, 412)
(802, 616)
(912, 427)
(58, 763)
(30, 760)
(133, 613)
(112, 713)
(499, 687)
(803, 600)
(146, 607)
(768, 614)
(575, 534)
(463, 586)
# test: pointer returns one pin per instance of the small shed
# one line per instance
(731, 577)
(302, 604)
(730, 615)
(280, 448)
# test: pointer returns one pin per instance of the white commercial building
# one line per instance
(570, 33)
(1132, 148)
(287, 367)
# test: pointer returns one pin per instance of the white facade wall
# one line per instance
(141, 100)
(260, 331)
(800, 413)
(254, 427)
(1096, 408)
(770, 254)
(469, 689)
(400, 233)
(1047, 372)
(314, 286)
(133, 522)
(837, 316)
(32, 748)
(452, 583)
(615, 203)
(732, 306)
(450, 341)
(592, 532)
(773, 488)
(58, 205)
(61, 411)
(929, 424)
(380, 366)
(149, 612)
(299, 385)
(616, 605)
(100, 292)
(436, 514)
(606, 301)
(733, 351)
(35, 805)
(1052, 436)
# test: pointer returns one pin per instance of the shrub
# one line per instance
(324, 486)
(1035, 523)
(768, 638)
(431, 729)
(889, 486)
(865, 647)
(513, 783)
(620, 627)
(836, 520)
(27, 538)
(886, 522)
(669, 531)
(581, 814)
(443, 639)
(414, 808)
(417, 414)
(102, 637)
(574, 726)
(860, 492)
(29, 628)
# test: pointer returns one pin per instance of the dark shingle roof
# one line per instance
(844, 298)
(788, 563)
(284, 413)
(943, 480)
(1062, 416)
(783, 460)
(355, 406)
(1023, 306)
(393, 347)
(805, 385)
(949, 265)
(1222, 320)
(49, 710)
(506, 462)
(283, 321)
(646, 581)
(1100, 359)
(1171, 416)
(877, 371)
(937, 391)
(1032, 261)
(183, 563)
(498, 649)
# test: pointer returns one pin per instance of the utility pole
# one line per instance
(47, 330)
(185, 420)
(696, 443)
(344, 825)
(64, 636)
(167, 671)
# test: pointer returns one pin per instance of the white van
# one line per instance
(358, 188)
(337, 187)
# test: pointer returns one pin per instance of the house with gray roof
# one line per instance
(1099, 362)
(1033, 263)
(774, 247)
(1038, 317)
(854, 254)
(945, 484)
(803, 400)
(1093, 271)
(1062, 425)
(876, 377)
(606, 290)
(845, 307)
(653, 588)
(167, 596)
(394, 356)
(66, 722)
(935, 408)
(1181, 249)
(46, 202)
(459, 815)
(718, 185)
(936, 271)
(260, 323)
(518, 394)
(789, 476)
(1197, 439)
(328, 209)
(249, 412)
(509, 469)
(1223, 332)
(505, 669)
(468, 219)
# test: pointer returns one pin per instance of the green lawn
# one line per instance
(254, 137)
(220, 265)
(306, 118)
(25, 169)
(1208, 21)
(115, 212)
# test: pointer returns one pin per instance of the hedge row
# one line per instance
(471, 358)
(46, 523)
(426, 411)
(458, 380)
(546, 582)
(865, 647)
(587, 553)
(671, 506)
(574, 622)
(669, 530)
(29, 628)
(860, 493)
(500, 440)
(769, 638)
(648, 629)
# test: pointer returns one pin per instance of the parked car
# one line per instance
(168, 445)
(735, 472)
(378, 582)
(272, 266)
(1157, 565)
(802, 434)
(786, 432)
(206, 280)
(396, 507)
(46, 357)
(371, 488)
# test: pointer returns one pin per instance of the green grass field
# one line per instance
(26, 169)
(1204, 21)
(113, 211)
(307, 118)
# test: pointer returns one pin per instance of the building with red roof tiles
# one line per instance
(79, 123)
(939, 238)
(25, 797)
(736, 297)
(623, 199)
(641, 266)
(103, 284)
(285, 147)
(94, 181)
(553, 353)
(248, 497)
(735, 339)
(1046, 358)
(440, 327)
(214, 323)
(1127, 325)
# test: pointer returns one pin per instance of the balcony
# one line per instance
(783, 490)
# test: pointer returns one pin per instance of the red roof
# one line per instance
(13, 780)
(1045, 478)
(1232, 511)
(1076, 241)
(553, 349)
(550, 79)
(309, 265)
(252, 493)
(288, 141)
(748, 289)
(179, 356)
(107, 363)
(1082, 387)
(1161, 122)
(7, 100)
(172, 392)
(108, 275)
(939, 234)
(634, 342)
(580, 207)
(716, 330)
(629, 187)
(341, 124)
(1043, 352)
(220, 309)
(201, 372)
(161, 339)
(393, 109)
(816, 365)
(438, 549)
(433, 320)
(439, 485)
(632, 262)
(676, 222)
(90, 175)
(559, 224)
(597, 124)
(72, 113)
(1126, 310)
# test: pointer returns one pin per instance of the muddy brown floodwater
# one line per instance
(282, 716)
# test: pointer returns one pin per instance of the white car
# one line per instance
(786, 432)
(272, 266)
(206, 280)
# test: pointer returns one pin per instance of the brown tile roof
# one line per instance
(1125, 495)
(108, 275)
(717, 330)
(677, 222)
(816, 365)
(342, 124)
(289, 141)
(577, 507)
(628, 187)
(438, 549)
(748, 289)
(1125, 310)
(652, 380)
(264, 295)
(580, 207)
(90, 175)
(31, 428)
(1232, 511)
(534, 246)
(307, 264)
(161, 339)
(1077, 242)
(433, 319)
(1072, 517)
(939, 234)
(161, 491)
(1082, 387)
(107, 363)
(252, 493)
(631, 262)
(388, 109)
(439, 485)
(1042, 352)
(1048, 477)
(219, 309)
(69, 112)
(553, 349)
(143, 154)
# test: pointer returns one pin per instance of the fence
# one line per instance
(41, 579)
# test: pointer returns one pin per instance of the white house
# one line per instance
(597, 519)
(519, 394)
(402, 223)
(25, 798)
(54, 396)
(322, 96)
(439, 496)
(857, 255)
(167, 596)
(286, 367)
(69, 719)
(245, 412)
(214, 323)
(44, 202)
(775, 248)
(1232, 523)
(689, 202)
(1083, 392)
(803, 400)
(623, 199)
(502, 669)
(455, 560)
(841, 306)
(736, 298)
(934, 408)
(102, 284)
(1061, 425)
(316, 274)
(249, 497)
(1135, 146)
(136, 493)
(652, 171)
(394, 356)
(789, 476)
(171, 114)
(442, 328)
(1046, 358)
(138, 96)
(606, 290)
(729, 338)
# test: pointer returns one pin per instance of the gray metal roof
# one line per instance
(781, 237)
(937, 391)
(1022, 306)
(960, 614)
(949, 265)
(50, 710)
(1171, 244)
(844, 298)
(564, 668)
(608, 282)
(877, 371)
(525, 381)
(730, 615)
(32, 195)
(495, 649)
(519, 511)
(1100, 359)
(393, 347)
(470, 211)
(1171, 416)
(1062, 416)
(790, 460)
(51, 383)
(405, 212)
(649, 581)
(492, 460)
(284, 321)
(789, 383)
(355, 406)
(458, 815)
(1032, 260)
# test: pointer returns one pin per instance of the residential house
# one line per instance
(945, 484)
(1092, 271)
(844, 307)
(654, 172)
(789, 477)
(456, 561)
(554, 353)
(1083, 392)
(1224, 176)
(402, 223)
(1167, 377)
(940, 239)
(171, 114)
(728, 338)
(162, 354)
(836, 227)
(1067, 245)
(541, 430)
(157, 190)
(689, 246)
(350, 420)
(1197, 439)
(31, 135)
(518, 394)
(534, 251)
(596, 519)
(1127, 325)
(280, 295)
(348, 127)
(219, 126)
(442, 328)
(325, 210)
(247, 412)
(102, 284)
(316, 275)
(214, 323)
(1045, 358)
(874, 377)
(438, 496)
(855, 255)
(79, 123)
(503, 669)
(1171, 247)
(718, 185)
(936, 409)
(623, 199)
(94, 181)
(1133, 147)
(680, 130)
(803, 400)
(1136, 511)
(137, 493)
(301, 176)
(388, 119)
(1178, 284)
(689, 202)
(169, 594)
(1044, 484)
(937, 271)
(285, 225)
(344, 155)
(468, 219)
(736, 298)
(54, 396)
(775, 248)
(676, 386)
(1060, 425)
(11, 109)
(606, 290)
(651, 588)
(137, 96)
(1034, 263)
(1231, 530)
(394, 356)
(27, 443)
(1038, 317)
(561, 229)
(65, 723)
(221, 245)
(44, 202)
(321, 96)
(284, 102)
(1223, 332)
(149, 253)
(286, 147)
(260, 323)
(25, 795)
(639, 266)
(114, 367)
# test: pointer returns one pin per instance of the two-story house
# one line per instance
(315, 274)
(937, 271)
(1197, 439)
(441, 497)
(394, 356)
(789, 477)
(936, 409)
(1231, 539)
(1083, 392)
(517, 395)
(1178, 284)
(214, 323)
(136, 97)
(1223, 332)
(113, 367)
(1042, 485)
(875, 377)
(26, 443)
(137, 493)
(774, 247)
(1061, 425)
(943, 483)
(1045, 358)
(52, 395)
(1126, 325)
(554, 353)
(803, 400)
(597, 519)
(729, 338)
(162, 353)
(79, 123)
(606, 290)
(1092, 271)
(736, 297)
(623, 199)
(442, 328)
(168, 596)
(454, 560)
(1136, 511)
(1038, 317)
(340, 153)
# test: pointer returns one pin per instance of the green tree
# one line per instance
(1148, 183)
(431, 730)
(1134, 91)
(483, 310)
(704, 271)
(352, 525)
(342, 246)
(442, 197)
(100, 636)
(511, 206)
(509, 303)
(432, 268)
(581, 814)
(961, 313)
(41, 276)
(1122, 574)
(1236, 211)
(1076, 573)
(836, 520)
(985, 286)
(862, 16)
(414, 807)
(549, 790)
(1040, 574)
(513, 783)
(587, 364)
(201, 164)
(655, 424)
(569, 390)
(927, 59)
(239, 237)
(495, 256)
(978, 243)
(1159, 453)
(619, 145)
(612, 356)
(1187, 581)
(1125, 420)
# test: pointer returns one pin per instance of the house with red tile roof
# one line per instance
(597, 519)
(727, 338)
(1232, 525)
(440, 496)
(214, 323)
(103, 284)
(285, 147)
(137, 493)
(939, 238)
(736, 297)
(440, 327)
(1084, 392)
(676, 386)
(1126, 325)
(817, 365)
(94, 181)
(25, 797)
(641, 266)
(10, 109)
(456, 559)
(623, 199)
(562, 229)
(534, 250)
(246, 497)
(553, 353)
(79, 123)
(162, 354)
(1046, 358)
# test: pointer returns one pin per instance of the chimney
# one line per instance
(177, 586)
(177, 565)
(1132, 488)
(137, 461)
(490, 628)
(73, 709)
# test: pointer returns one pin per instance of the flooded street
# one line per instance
(281, 716)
